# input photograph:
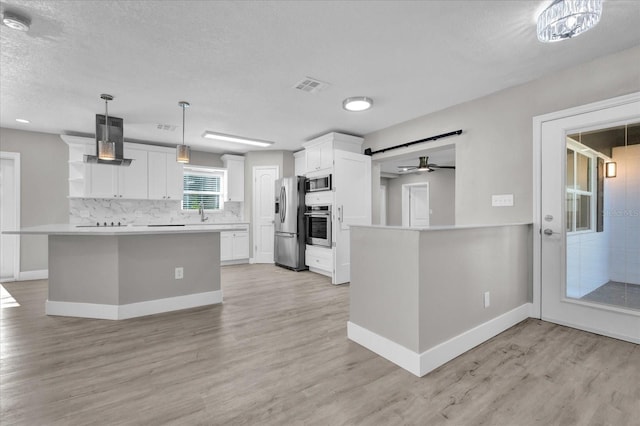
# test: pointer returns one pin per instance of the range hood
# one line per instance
(115, 135)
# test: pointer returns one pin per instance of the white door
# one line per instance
(9, 215)
(264, 180)
(352, 186)
(419, 206)
(566, 221)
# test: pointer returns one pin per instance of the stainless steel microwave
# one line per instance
(321, 183)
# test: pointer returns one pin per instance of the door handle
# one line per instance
(550, 232)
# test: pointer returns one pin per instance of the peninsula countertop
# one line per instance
(150, 229)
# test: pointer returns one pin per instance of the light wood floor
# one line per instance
(276, 353)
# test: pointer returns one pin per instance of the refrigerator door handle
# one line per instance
(283, 210)
(285, 235)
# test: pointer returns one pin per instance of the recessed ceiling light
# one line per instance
(357, 103)
(22, 120)
(236, 139)
(15, 21)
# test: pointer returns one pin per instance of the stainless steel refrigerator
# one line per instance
(289, 223)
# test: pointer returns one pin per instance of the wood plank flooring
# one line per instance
(276, 353)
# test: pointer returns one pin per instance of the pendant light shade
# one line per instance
(106, 148)
(183, 152)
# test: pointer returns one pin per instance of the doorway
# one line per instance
(9, 215)
(586, 254)
(415, 205)
(264, 180)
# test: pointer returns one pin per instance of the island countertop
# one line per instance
(152, 229)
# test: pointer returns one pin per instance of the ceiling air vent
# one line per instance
(311, 85)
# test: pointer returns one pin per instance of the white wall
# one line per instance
(622, 215)
(494, 153)
(587, 262)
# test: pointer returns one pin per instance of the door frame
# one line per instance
(537, 181)
(254, 224)
(15, 157)
(406, 202)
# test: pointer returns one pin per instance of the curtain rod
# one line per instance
(404, 145)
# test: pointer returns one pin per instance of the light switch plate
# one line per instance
(502, 200)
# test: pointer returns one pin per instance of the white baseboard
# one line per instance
(233, 262)
(132, 310)
(42, 274)
(422, 363)
(321, 272)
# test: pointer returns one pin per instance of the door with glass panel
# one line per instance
(590, 216)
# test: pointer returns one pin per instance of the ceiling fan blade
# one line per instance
(435, 166)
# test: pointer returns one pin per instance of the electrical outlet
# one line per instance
(179, 273)
(487, 299)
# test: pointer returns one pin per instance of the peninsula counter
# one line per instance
(131, 271)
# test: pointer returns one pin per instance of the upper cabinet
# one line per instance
(300, 163)
(319, 152)
(235, 177)
(153, 174)
(165, 175)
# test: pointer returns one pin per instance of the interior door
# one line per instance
(564, 219)
(352, 186)
(419, 206)
(9, 216)
(264, 178)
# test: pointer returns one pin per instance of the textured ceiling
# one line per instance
(237, 63)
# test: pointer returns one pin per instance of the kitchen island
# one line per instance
(124, 272)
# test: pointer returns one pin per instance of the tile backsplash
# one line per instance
(92, 210)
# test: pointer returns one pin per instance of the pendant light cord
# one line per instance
(183, 110)
(106, 119)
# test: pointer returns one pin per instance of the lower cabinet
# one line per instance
(319, 259)
(234, 246)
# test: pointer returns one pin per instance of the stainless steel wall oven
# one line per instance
(318, 225)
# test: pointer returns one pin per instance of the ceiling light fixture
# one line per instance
(106, 148)
(15, 21)
(568, 18)
(235, 139)
(183, 152)
(23, 120)
(357, 103)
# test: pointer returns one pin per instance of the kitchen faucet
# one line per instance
(201, 211)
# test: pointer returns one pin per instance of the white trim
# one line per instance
(15, 156)
(234, 262)
(132, 310)
(537, 180)
(429, 360)
(42, 274)
(628, 338)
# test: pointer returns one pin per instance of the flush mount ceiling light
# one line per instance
(236, 139)
(357, 103)
(183, 152)
(568, 18)
(23, 120)
(16, 21)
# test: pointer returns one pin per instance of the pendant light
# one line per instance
(183, 152)
(106, 148)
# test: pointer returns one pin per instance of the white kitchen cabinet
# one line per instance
(352, 206)
(319, 259)
(319, 157)
(300, 163)
(126, 182)
(165, 175)
(235, 177)
(234, 246)
(319, 151)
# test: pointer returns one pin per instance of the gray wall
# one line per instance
(44, 187)
(441, 196)
(494, 154)
(285, 162)
(409, 287)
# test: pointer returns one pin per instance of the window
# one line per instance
(203, 186)
(582, 191)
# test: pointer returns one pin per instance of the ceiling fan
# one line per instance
(424, 166)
